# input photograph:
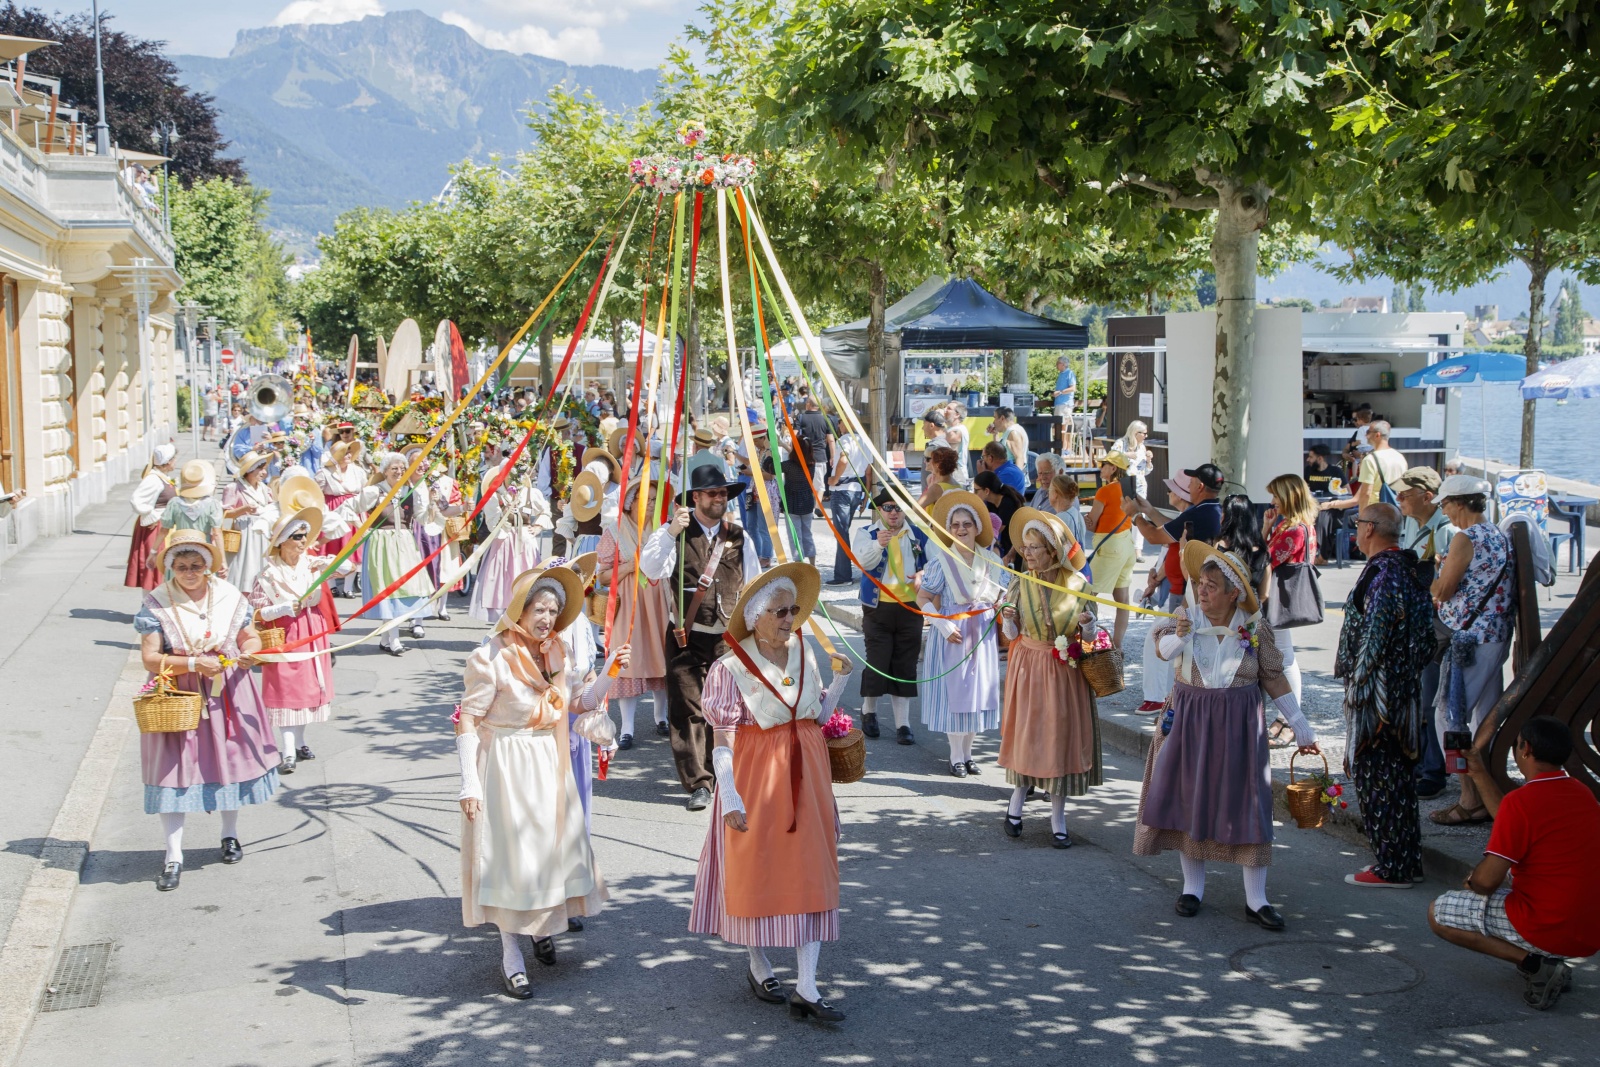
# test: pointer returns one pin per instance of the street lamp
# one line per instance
(165, 133)
(102, 131)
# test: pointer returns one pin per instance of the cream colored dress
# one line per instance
(526, 862)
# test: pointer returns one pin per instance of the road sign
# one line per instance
(227, 355)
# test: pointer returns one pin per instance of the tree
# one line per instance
(1569, 316)
(142, 88)
(1212, 109)
(228, 261)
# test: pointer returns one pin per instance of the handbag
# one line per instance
(1443, 632)
(1296, 596)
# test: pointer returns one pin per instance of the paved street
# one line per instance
(338, 939)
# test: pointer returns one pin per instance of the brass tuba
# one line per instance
(271, 397)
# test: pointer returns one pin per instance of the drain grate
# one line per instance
(79, 978)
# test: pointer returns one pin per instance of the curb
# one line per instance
(31, 946)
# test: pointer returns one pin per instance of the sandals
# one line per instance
(1279, 735)
(1456, 815)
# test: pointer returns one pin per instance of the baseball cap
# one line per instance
(1463, 485)
(1424, 478)
(1209, 475)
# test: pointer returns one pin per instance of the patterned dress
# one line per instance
(966, 699)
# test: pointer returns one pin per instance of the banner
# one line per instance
(459, 375)
(350, 368)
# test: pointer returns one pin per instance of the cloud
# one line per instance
(307, 12)
(575, 44)
(575, 12)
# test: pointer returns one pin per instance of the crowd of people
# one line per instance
(984, 591)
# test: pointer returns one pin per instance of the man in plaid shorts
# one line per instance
(1546, 836)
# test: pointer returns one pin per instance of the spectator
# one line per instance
(1065, 503)
(1166, 582)
(208, 420)
(1044, 472)
(816, 436)
(1425, 531)
(801, 503)
(1140, 460)
(996, 459)
(1378, 476)
(938, 475)
(1290, 525)
(1548, 832)
(1003, 501)
(851, 481)
(1013, 437)
(1319, 469)
(960, 438)
(1066, 395)
(1241, 534)
(933, 430)
(1200, 521)
(1111, 555)
(1385, 642)
(1362, 416)
(1475, 597)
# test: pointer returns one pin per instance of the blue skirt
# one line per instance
(210, 796)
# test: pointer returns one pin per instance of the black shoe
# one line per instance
(544, 950)
(232, 851)
(1188, 906)
(958, 769)
(517, 987)
(168, 879)
(819, 1009)
(394, 650)
(304, 752)
(574, 925)
(624, 742)
(842, 581)
(869, 723)
(663, 730)
(417, 632)
(699, 800)
(1427, 789)
(1266, 917)
(1060, 841)
(1013, 825)
(902, 734)
(972, 768)
(286, 765)
(770, 991)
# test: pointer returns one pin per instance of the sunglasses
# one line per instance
(301, 536)
(890, 507)
(784, 613)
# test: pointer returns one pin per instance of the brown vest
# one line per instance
(717, 607)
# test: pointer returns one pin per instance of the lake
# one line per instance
(1564, 435)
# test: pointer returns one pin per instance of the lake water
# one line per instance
(1566, 437)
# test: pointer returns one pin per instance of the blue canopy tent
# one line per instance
(1470, 368)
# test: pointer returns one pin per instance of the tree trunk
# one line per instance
(1538, 270)
(547, 368)
(619, 372)
(877, 358)
(1015, 361)
(1241, 213)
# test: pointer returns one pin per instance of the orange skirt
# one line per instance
(1047, 728)
(770, 871)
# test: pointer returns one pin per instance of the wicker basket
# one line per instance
(1305, 798)
(1103, 671)
(232, 541)
(167, 710)
(271, 637)
(455, 527)
(594, 605)
(847, 756)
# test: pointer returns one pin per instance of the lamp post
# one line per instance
(188, 313)
(102, 132)
(165, 133)
(211, 344)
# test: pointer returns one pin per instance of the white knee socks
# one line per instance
(658, 704)
(1018, 795)
(869, 705)
(1194, 876)
(626, 706)
(960, 748)
(288, 743)
(172, 827)
(511, 960)
(1058, 814)
(902, 714)
(805, 958)
(760, 966)
(1255, 887)
(230, 823)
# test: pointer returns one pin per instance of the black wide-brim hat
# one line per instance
(709, 476)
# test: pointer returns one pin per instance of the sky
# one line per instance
(626, 33)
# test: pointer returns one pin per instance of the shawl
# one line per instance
(1385, 644)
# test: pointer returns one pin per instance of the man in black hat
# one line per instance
(717, 560)
(892, 632)
(1202, 521)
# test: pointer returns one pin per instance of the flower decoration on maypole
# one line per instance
(698, 171)
(691, 133)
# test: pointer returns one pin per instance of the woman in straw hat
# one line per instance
(248, 503)
(194, 507)
(299, 693)
(196, 630)
(341, 478)
(391, 549)
(593, 496)
(1111, 553)
(960, 665)
(641, 617)
(526, 862)
(518, 514)
(1207, 789)
(149, 499)
(1050, 730)
(444, 502)
(769, 877)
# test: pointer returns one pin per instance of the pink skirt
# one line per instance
(512, 552)
(333, 546)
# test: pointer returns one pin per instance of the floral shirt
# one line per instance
(1491, 551)
(1292, 543)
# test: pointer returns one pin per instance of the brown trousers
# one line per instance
(692, 737)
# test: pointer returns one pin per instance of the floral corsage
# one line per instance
(1249, 640)
(1070, 650)
(839, 725)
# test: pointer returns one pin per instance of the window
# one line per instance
(10, 393)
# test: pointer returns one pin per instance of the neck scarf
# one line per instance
(1214, 651)
(527, 652)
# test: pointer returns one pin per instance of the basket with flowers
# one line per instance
(847, 748)
(1100, 663)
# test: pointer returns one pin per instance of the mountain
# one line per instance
(374, 112)
(1509, 290)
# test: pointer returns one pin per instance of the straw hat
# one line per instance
(1060, 533)
(251, 460)
(807, 585)
(339, 449)
(176, 538)
(298, 492)
(310, 515)
(704, 435)
(197, 479)
(954, 498)
(1197, 553)
(617, 444)
(588, 494)
(594, 455)
(571, 586)
(586, 565)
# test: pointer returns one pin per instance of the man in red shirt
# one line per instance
(1547, 836)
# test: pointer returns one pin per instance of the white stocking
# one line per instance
(966, 747)
(1255, 888)
(288, 743)
(658, 704)
(869, 705)
(1058, 814)
(230, 823)
(1194, 876)
(760, 966)
(902, 710)
(1018, 795)
(805, 958)
(511, 961)
(626, 706)
(172, 827)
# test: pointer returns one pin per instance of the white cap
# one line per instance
(1462, 485)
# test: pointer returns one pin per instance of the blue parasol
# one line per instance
(1560, 381)
(1470, 367)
